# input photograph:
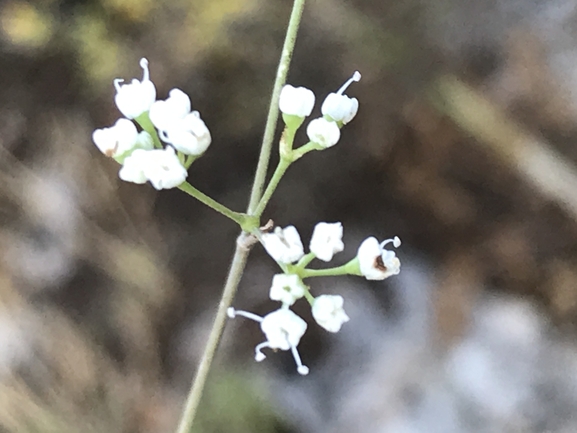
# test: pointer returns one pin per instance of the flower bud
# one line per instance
(329, 313)
(296, 101)
(323, 132)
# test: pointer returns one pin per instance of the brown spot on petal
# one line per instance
(379, 264)
(111, 152)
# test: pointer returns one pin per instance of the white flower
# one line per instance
(325, 133)
(190, 135)
(287, 288)
(296, 101)
(327, 240)
(164, 114)
(283, 245)
(133, 168)
(135, 98)
(377, 263)
(283, 330)
(160, 166)
(178, 126)
(340, 107)
(329, 313)
(116, 140)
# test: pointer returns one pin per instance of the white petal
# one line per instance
(190, 135)
(327, 240)
(164, 114)
(116, 140)
(165, 170)
(133, 168)
(367, 254)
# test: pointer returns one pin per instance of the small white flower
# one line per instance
(325, 133)
(283, 245)
(340, 107)
(178, 126)
(327, 240)
(296, 101)
(135, 98)
(164, 114)
(283, 330)
(377, 263)
(329, 313)
(287, 288)
(190, 135)
(116, 140)
(160, 166)
(133, 168)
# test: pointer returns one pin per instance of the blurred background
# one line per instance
(464, 147)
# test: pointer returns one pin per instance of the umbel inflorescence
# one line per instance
(283, 328)
(158, 140)
(142, 155)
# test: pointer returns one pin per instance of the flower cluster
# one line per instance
(338, 109)
(157, 140)
(142, 154)
(283, 328)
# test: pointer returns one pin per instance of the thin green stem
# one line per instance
(305, 260)
(309, 297)
(237, 217)
(195, 394)
(304, 149)
(272, 117)
(241, 253)
(346, 269)
(144, 121)
(281, 169)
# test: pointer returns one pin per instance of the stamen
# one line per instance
(259, 356)
(302, 369)
(232, 313)
(356, 77)
(117, 82)
(395, 241)
(144, 66)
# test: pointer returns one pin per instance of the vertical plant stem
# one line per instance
(241, 253)
(272, 117)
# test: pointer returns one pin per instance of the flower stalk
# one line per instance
(246, 222)
(241, 254)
